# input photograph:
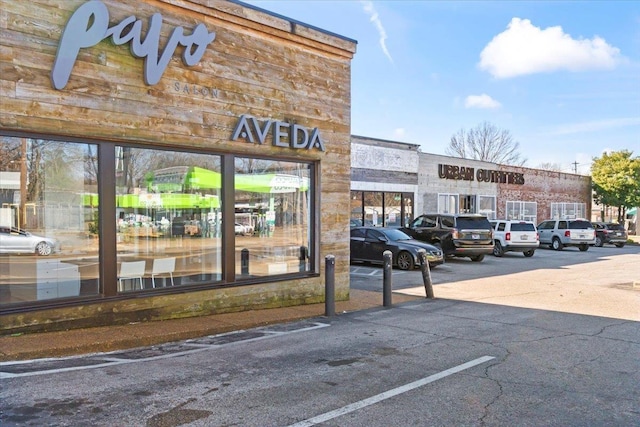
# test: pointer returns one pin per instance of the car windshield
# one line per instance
(479, 223)
(614, 226)
(579, 225)
(15, 230)
(522, 226)
(395, 235)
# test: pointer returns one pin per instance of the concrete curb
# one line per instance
(111, 338)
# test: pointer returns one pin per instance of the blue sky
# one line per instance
(563, 77)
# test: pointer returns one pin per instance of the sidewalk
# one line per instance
(110, 338)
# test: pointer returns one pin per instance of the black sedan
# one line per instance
(369, 243)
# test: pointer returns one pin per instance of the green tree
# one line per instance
(616, 180)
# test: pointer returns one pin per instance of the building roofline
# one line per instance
(293, 21)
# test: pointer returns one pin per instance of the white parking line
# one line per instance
(111, 359)
(390, 393)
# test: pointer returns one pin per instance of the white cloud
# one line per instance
(375, 18)
(481, 101)
(526, 49)
(399, 133)
(595, 126)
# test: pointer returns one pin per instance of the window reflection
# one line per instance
(392, 209)
(272, 217)
(377, 208)
(48, 220)
(168, 209)
(356, 209)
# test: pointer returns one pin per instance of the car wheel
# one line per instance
(599, 242)
(529, 253)
(497, 249)
(556, 244)
(405, 261)
(619, 245)
(477, 258)
(43, 248)
(584, 247)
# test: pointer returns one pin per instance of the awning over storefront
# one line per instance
(632, 211)
(271, 183)
(200, 179)
(204, 179)
(162, 200)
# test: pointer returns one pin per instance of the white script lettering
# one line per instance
(89, 25)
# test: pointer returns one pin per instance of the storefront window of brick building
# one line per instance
(568, 210)
(487, 206)
(272, 217)
(468, 203)
(378, 208)
(49, 236)
(448, 203)
(525, 211)
(357, 212)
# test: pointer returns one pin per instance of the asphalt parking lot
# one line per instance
(597, 282)
(484, 352)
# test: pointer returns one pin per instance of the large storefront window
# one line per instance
(525, 211)
(448, 203)
(373, 208)
(168, 215)
(487, 206)
(357, 212)
(392, 209)
(272, 217)
(89, 221)
(48, 220)
(568, 210)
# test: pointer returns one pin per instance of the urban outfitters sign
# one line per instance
(481, 175)
(89, 25)
(283, 134)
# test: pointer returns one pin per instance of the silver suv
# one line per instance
(559, 233)
(514, 236)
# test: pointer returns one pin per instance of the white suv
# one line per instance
(514, 236)
(559, 233)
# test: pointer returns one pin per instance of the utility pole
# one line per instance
(575, 167)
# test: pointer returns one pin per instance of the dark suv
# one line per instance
(608, 232)
(461, 235)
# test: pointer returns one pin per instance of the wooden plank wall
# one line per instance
(258, 64)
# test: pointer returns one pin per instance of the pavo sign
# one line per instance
(89, 25)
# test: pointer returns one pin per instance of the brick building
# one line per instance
(422, 182)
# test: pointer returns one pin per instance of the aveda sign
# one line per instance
(89, 25)
(283, 134)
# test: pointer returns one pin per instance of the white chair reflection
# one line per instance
(163, 266)
(131, 270)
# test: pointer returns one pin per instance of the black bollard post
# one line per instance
(329, 285)
(426, 274)
(244, 261)
(386, 278)
(303, 258)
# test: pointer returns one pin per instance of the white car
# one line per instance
(514, 236)
(16, 240)
(559, 233)
(243, 230)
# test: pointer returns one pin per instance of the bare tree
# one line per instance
(488, 143)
